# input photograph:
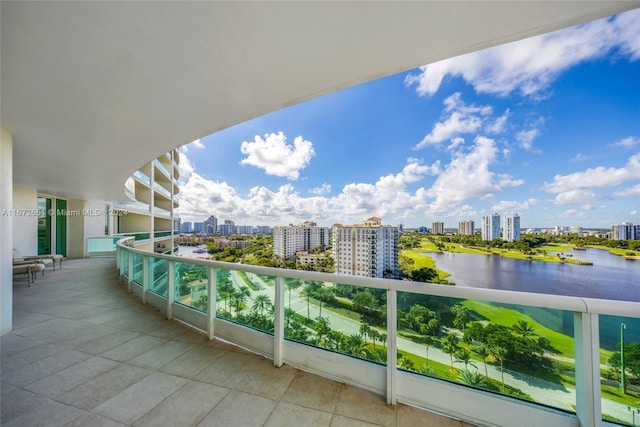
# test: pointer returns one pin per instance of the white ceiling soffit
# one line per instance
(93, 90)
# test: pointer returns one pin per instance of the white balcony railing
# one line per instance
(259, 308)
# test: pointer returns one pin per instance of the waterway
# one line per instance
(610, 277)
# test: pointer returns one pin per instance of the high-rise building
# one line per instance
(511, 228)
(491, 227)
(287, 240)
(211, 225)
(263, 229)
(226, 229)
(198, 227)
(187, 227)
(368, 249)
(625, 231)
(437, 228)
(245, 229)
(466, 228)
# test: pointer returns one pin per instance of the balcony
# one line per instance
(84, 351)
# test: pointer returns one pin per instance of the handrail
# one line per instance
(480, 406)
(559, 302)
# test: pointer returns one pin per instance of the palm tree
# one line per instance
(383, 339)
(500, 353)
(324, 295)
(450, 346)
(365, 330)
(484, 352)
(322, 328)
(374, 335)
(464, 356)
(523, 329)
(355, 345)
(404, 362)
(291, 284)
(335, 339)
(261, 303)
(472, 378)
(461, 314)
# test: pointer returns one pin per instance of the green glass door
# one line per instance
(61, 227)
(44, 225)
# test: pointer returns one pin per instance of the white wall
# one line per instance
(25, 227)
(75, 229)
(6, 230)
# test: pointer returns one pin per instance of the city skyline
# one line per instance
(546, 127)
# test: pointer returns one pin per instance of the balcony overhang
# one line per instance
(92, 91)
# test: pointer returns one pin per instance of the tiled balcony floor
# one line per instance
(84, 352)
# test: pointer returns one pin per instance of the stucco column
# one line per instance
(6, 230)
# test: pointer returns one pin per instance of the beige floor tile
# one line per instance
(239, 409)
(15, 401)
(267, 380)
(43, 367)
(47, 414)
(409, 416)
(103, 387)
(30, 355)
(132, 348)
(194, 361)
(159, 356)
(229, 370)
(289, 415)
(186, 407)
(312, 391)
(106, 342)
(71, 377)
(365, 406)
(93, 420)
(340, 421)
(138, 399)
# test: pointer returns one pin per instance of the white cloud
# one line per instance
(628, 142)
(579, 157)
(529, 66)
(185, 167)
(276, 157)
(631, 191)
(467, 177)
(499, 124)
(197, 144)
(526, 137)
(200, 197)
(514, 206)
(459, 118)
(323, 189)
(576, 196)
(595, 178)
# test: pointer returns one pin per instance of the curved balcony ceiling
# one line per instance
(93, 90)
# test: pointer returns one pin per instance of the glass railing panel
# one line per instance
(519, 351)
(162, 168)
(142, 177)
(101, 245)
(137, 268)
(160, 281)
(246, 298)
(620, 353)
(341, 318)
(125, 263)
(160, 211)
(191, 284)
(158, 234)
(133, 206)
(162, 190)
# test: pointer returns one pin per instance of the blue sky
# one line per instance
(547, 127)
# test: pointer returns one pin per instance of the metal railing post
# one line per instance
(392, 355)
(171, 288)
(278, 322)
(147, 270)
(587, 359)
(211, 301)
(130, 272)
